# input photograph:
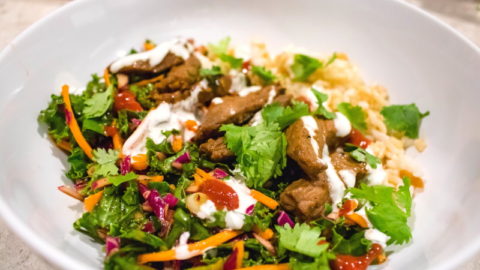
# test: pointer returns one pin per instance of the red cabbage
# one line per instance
(170, 199)
(148, 227)
(219, 173)
(68, 116)
(143, 190)
(249, 210)
(136, 122)
(125, 165)
(185, 158)
(231, 262)
(112, 244)
(283, 219)
(159, 206)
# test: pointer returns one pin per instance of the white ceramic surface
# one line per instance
(418, 58)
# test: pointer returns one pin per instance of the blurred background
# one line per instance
(17, 15)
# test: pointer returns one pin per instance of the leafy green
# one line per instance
(98, 104)
(301, 239)
(361, 155)
(218, 220)
(214, 71)
(319, 263)
(258, 254)
(284, 116)
(331, 60)
(54, 117)
(143, 95)
(355, 115)
(355, 244)
(184, 222)
(94, 125)
(303, 66)
(126, 259)
(233, 61)
(405, 119)
(266, 75)
(261, 217)
(105, 160)
(146, 238)
(78, 164)
(321, 110)
(119, 179)
(220, 48)
(388, 209)
(94, 86)
(260, 151)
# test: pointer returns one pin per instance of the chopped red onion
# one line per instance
(219, 173)
(68, 116)
(283, 219)
(249, 210)
(136, 122)
(125, 165)
(143, 190)
(170, 199)
(80, 185)
(148, 227)
(231, 262)
(112, 245)
(185, 158)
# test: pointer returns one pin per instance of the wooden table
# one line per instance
(16, 15)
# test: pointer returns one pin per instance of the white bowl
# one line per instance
(417, 57)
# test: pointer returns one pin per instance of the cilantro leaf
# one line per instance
(405, 119)
(220, 48)
(214, 71)
(331, 59)
(119, 179)
(105, 160)
(284, 116)
(266, 75)
(384, 209)
(321, 110)
(362, 155)
(302, 239)
(303, 66)
(234, 62)
(98, 104)
(94, 125)
(260, 151)
(355, 115)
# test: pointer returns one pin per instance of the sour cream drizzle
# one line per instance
(372, 234)
(181, 48)
(311, 126)
(342, 125)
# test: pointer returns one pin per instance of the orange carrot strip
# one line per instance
(102, 182)
(195, 249)
(264, 199)
(283, 266)
(266, 234)
(140, 162)
(73, 125)
(92, 200)
(64, 145)
(147, 81)
(177, 143)
(106, 77)
(147, 46)
(156, 178)
(71, 192)
(416, 182)
(240, 246)
(357, 219)
(191, 125)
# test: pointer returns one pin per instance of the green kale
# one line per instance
(94, 86)
(126, 258)
(54, 117)
(146, 238)
(143, 94)
(303, 66)
(95, 125)
(262, 217)
(266, 75)
(321, 110)
(348, 241)
(405, 119)
(78, 164)
(361, 155)
(355, 115)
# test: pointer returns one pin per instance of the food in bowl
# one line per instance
(223, 157)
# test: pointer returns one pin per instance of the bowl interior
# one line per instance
(415, 57)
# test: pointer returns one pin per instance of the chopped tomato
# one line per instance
(126, 100)
(222, 195)
(246, 65)
(110, 131)
(358, 139)
(348, 262)
(347, 207)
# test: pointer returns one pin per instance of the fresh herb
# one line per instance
(303, 66)
(54, 117)
(105, 160)
(405, 119)
(331, 59)
(355, 115)
(233, 61)
(146, 238)
(266, 75)
(78, 164)
(362, 155)
(284, 116)
(321, 110)
(119, 179)
(98, 104)
(220, 48)
(388, 210)
(261, 217)
(214, 71)
(301, 239)
(95, 125)
(143, 95)
(95, 85)
(346, 242)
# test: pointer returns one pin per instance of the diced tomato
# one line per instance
(358, 139)
(110, 131)
(347, 207)
(222, 195)
(246, 65)
(348, 262)
(126, 100)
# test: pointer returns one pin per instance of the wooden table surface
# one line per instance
(17, 15)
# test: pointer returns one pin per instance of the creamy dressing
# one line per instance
(248, 90)
(311, 126)
(181, 48)
(342, 125)
(377, 236)
(207, 209)
(377, 176)
(348, 177)
(335, 184)
(204, 61)
(311, 99)
(181, 250)
(217, 100)
(239, 80)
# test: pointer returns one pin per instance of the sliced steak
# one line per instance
(217, 150)
(218, 88)
(233, 110)
(343, 162)
(181, 77)
(306, 199)
(143, 67)
(284, 100)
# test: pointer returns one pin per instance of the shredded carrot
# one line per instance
(106, 77)
(117, 139)
(147, 46)
(266, 234)
(102, 182)
(92, 200)
(267, 201)
(416, 182)
(177, 143)
(191, 125)
(73, 125)
(240, 247)
(283, 266)
(147, 81)
(64, 145)
(357, 219)
(156, 178)
(195, 249)
(140, 162)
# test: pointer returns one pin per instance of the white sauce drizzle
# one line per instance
(342, 125)
(207, 209)
(204, 61)
(335, 184)
(239, 81)
(377, 176)
(181, 250)
(311, 126)
(217, 100)
(248, 90)
(377, 236)
(348, 177)
(155, 56)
